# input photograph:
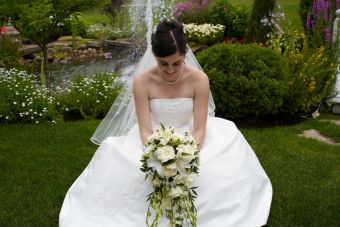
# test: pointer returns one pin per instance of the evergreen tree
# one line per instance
(260, 23)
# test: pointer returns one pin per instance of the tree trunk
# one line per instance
(44, 64)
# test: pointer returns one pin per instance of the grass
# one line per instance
(38, 163)
(94, 16)
(289, 7)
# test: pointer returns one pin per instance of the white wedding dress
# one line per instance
(233, 189)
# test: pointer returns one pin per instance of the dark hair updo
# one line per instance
(168, 39)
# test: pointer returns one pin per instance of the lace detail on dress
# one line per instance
(175, 112)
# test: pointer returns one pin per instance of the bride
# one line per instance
(233, 189)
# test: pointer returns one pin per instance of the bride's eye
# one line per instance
(177, 63)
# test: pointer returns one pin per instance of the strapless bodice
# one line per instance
(175, 112)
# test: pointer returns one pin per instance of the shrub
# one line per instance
(22, 99)
(245, 80)
(204, 34)
(222, 12)
(234, 18)
(311, 72)
(9, 53)
(87, 98)
(71, 26)
(192, 11)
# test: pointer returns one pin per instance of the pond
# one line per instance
(121, 58)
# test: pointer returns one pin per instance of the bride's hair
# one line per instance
(168, 38)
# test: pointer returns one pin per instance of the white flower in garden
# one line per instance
(165, 153)
(14, 103)
(37, 122)
(23, 104)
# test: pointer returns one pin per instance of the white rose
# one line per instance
(190, 179)
(153, 137)
(179, 179)
(156, 182)
(186, 152)
(176, 192)
(165, 153)
(168, 172)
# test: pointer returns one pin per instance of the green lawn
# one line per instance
(290, 8)
(38, 163)
(94, 16)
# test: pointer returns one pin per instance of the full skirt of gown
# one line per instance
(233, 189)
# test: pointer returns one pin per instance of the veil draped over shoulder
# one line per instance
(122, 114)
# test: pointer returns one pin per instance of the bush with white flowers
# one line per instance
(99, 31)
(87, 97)
(22, 99)
(204, 34)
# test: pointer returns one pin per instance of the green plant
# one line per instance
(319, 22)
(192, 11)
(260, 21)
(234, 18)
(86, 98)
(39, 20)
(246, 80)
(311, 72)
(204, 34)
(74, 25)
(9, 53)
(22, 99)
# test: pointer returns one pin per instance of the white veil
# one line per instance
(122, 115)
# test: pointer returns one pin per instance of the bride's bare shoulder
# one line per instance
(145, 76)
(197, 75)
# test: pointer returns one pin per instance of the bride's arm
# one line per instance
(141, 98)
(201, 108)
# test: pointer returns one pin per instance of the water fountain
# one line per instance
(336, 39)
(143, 14)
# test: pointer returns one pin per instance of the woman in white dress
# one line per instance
(233, 189)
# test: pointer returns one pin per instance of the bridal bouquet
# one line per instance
(171, 162)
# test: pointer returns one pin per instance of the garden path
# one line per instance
(315, 134)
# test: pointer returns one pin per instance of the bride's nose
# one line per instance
(170, 70)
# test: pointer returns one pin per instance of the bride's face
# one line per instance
(170, 66)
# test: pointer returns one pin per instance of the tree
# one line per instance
(261, 21)
(38, 19)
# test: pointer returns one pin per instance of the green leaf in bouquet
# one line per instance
(171, 161)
